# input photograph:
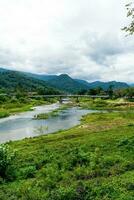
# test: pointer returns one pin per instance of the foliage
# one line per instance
(53, 113)
(14, 82)
(19, 83)
(3, 113)
(91, 161)
(108, 104)
(66, 83)
(6, 160)
(111, 92)
(130, 13)
(20, 103)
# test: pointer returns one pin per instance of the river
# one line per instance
(23, 125)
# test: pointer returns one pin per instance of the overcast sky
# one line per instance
(82, 38)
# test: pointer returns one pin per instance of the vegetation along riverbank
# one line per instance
(54, 113)
(94, 161)
(10, 106)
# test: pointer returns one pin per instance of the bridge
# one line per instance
(71, 95)
(61, 96)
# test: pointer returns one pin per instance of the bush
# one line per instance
(28, 172)
(4, 114)
(6, 159)
(61, 193)
(3, 99)
(130, 186)
(77, 157)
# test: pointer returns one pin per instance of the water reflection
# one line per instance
(22, 125)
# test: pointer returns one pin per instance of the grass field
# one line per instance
(92, 161)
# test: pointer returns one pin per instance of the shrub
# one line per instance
(130, 186)
(6, 160)
(28, 172)
(61, 193)
(3, 99)
(77, 157)
(4, 114)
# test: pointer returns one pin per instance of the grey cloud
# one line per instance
(101, 47)
(81, 38)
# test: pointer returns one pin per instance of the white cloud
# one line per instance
(81, 38)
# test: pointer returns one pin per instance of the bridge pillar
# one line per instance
(45, 98)
(77, 99)
(60, 99)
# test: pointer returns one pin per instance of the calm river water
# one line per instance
(23, 126)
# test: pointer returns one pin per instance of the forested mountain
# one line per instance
(83, 82)
(66, 83)
(106, 85)
(42, 77)
(28, 81)
(13, 80)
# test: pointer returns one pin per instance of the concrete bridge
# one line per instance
(71, 95)
(61, 96)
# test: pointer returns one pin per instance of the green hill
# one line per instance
(66, 83)
(11, 80)
(106, 85)
(29, 81)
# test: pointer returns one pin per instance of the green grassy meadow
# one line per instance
(92, 161)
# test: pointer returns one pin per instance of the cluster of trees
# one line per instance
(128, 92)
(21, 95)
(113, 93)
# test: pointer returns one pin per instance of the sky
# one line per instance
(82, 38)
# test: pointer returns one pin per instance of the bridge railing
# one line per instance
(89, 96)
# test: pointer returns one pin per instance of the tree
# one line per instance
(130, 92)
(99, 90)
(110, 91)
(92, 91)
(96, 91)
(82, 92)
(130, 13)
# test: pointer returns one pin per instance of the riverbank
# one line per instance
(24, 125)
(53, 113)
(106, 104)
(11, 108)
(94, 160)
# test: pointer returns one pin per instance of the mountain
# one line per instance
(42, 77)
(68, 84)
(11, 80)
(106, 85)
(3, 70)
(31, 81)
(83, 82)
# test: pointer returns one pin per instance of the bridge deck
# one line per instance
(64, 95)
